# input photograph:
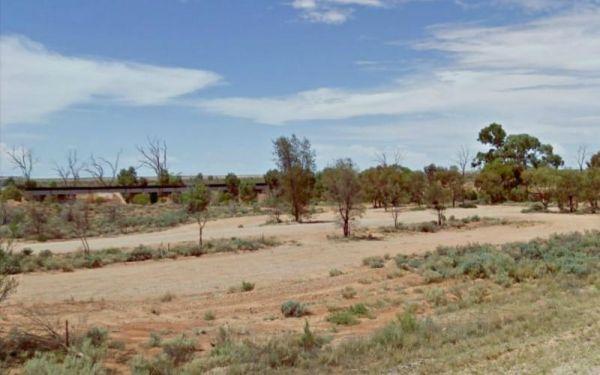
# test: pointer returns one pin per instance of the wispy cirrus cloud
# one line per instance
(36, 82)
(547, 67)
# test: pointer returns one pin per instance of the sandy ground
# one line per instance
(310, 255)
(129, 299)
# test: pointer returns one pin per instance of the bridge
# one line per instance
(155, 191)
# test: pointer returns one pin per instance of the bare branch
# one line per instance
(22, 159)
(96, 170)
(154, 156)
(114, 166)
(63, 173)
(463, 157)
(74, 166)
(581, 157)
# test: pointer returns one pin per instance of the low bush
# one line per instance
(348, 292)
(179, 349)
(348, 316)
(374, 262)
(575, 254)
(335, 272)
(293, 309)
(14, 263)
(535, 207)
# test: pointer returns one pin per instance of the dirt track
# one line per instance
(312, 256)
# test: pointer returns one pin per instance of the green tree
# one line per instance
(127, 177)
(541, 183)
(342, 186)
(296, 164)
(233, 185)
(247, 192)
(417, 186)
(197, 200)
(522, 150)
(594, 161)
(436, 197)
(568, 187)
(590, 190)
(496, 180)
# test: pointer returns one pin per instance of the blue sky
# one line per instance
(220, 79)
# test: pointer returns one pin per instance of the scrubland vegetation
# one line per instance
(26, 261)
(530, 306)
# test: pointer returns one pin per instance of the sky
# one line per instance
(219, 80)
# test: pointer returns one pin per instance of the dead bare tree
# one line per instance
(382, 158)
(114, 166)
(96, 170)
(154, 156)
(82, 223)
(581, 157)
(22, 159)
(72, 169)
(63, 173)
(463, 158)
(74, 165)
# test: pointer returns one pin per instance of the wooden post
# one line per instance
(67, 333)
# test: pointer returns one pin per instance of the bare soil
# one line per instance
(126, 298)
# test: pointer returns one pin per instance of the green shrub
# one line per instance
(335, 272)
(155, 340)
(436, 297)
(140, 253)
(141, 199)
(348, 292)
(179, 349)
(343, 317)
(293, 309)
(209, 315)
(374, 262)
(247, 286)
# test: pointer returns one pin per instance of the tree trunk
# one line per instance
(199, 236)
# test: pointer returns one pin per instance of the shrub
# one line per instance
(209, 315)
(247, 286)
(167, 297)
(97, 336)
(179, 349)
(293, 309)
(467, 205)
(374, 262)
(535, 207)
(335, 272)
(140, 253)
(343, 317)
(436, 296)
(141, 199)
(348, 292)
(155, 340)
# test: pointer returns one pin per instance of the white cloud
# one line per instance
(332, 12)
(548, 68)
(37, 82)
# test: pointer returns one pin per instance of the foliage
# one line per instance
(342, 187)
(293, 309)
(374, 262)
(296, 165)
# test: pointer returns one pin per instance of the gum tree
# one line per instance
(436, 197)
(296, 165)
(197, 200)
(342, 186)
